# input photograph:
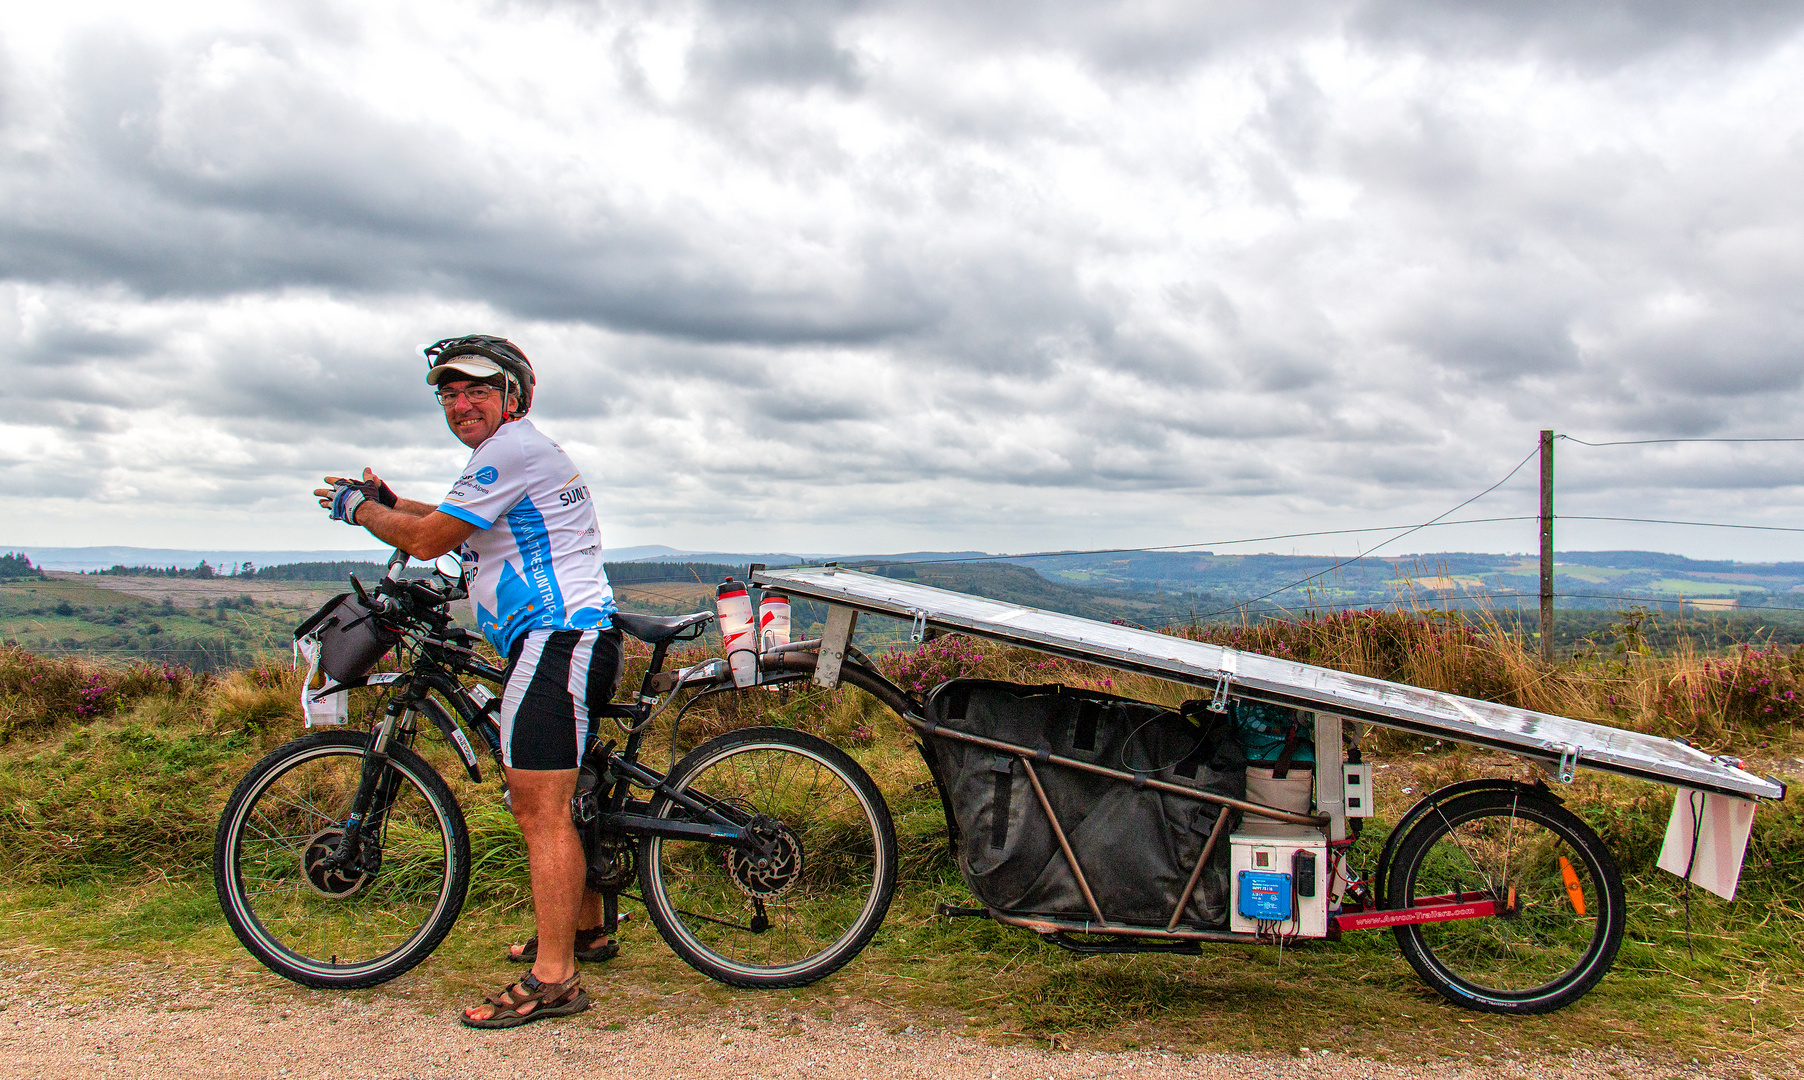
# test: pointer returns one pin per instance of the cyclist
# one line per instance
(526, 528)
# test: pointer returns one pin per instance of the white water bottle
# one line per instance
(738, 637)
(773, 622)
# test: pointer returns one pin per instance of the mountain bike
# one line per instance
(766, 857)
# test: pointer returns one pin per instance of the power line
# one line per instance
(1652, 600)
(1434, 520)
(1468, 598)
(1654, 442)
(1176, 547)
(1663, 521)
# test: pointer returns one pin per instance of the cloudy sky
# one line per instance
(889, 276)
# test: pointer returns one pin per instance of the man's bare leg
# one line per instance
(588, 916)
(554, 855)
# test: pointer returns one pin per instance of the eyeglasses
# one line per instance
(475, 395)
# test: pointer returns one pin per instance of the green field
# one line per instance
(203, 625)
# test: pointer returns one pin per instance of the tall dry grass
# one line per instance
(1747, 697)
(103, 767)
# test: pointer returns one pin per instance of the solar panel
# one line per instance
(1558, 742)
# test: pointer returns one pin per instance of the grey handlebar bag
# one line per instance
(1137, 846)
(351, 641)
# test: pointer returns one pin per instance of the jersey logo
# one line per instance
(572, 496)
(487, 475)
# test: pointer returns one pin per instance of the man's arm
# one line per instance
(420, 529)
(425, 534)
(412, 506)
(372, 481)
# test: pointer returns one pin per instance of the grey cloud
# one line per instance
(1497, 335)
(1601, 34)
(798, 43)
(953, 328)
(1736, 355)
(789, 44)
(172, 189)
(1136, 40)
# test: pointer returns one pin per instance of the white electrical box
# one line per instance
(1357, 787)
(1273, 847)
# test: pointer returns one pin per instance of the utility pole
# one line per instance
(1547, 547)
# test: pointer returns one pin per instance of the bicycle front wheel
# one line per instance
(353, 926)
(803, 910)
(1558, 894)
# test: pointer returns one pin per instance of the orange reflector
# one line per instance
(1573, 892)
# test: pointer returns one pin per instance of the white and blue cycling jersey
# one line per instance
(535, 561)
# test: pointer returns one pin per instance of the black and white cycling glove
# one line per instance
(346, 498)
(348, 495)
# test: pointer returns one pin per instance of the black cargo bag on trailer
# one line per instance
(1137, 846)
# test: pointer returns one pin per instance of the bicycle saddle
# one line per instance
(654, 629)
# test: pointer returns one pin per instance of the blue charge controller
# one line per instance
(1264, 895)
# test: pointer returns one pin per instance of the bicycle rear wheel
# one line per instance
(360, 925)
(814, 903)
(1560, 898)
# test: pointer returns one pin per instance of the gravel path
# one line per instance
(215, 1032)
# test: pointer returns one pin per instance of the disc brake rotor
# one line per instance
(767, 877)
(338, 883)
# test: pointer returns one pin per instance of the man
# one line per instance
(531, 550)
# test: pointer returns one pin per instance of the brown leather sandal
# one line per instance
(591, 945)
(550, 999)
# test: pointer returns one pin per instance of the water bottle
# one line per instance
(738, 637)
(773, 622)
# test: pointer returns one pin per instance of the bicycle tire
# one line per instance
(1558, 888)
(335, 929)
(1426, 804)
(832, 872)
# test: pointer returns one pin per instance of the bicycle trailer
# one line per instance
(1108, 825)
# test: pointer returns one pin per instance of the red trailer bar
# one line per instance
(1379, 920)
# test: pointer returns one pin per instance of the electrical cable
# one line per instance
(1652, 600)
(1664, 521)
(1399, 536)
(1400, 605)
(1654, 442)
(1176, 547)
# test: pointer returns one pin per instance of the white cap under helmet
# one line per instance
(480, 356)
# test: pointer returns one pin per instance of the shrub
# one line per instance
(955, 656)
(37, 693)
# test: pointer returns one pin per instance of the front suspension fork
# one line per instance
(375, 788)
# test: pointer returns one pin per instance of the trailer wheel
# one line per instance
(1559, 896)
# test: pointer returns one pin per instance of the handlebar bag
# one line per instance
(351, 640)
(1137, 846)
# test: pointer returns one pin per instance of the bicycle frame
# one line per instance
(437, 662)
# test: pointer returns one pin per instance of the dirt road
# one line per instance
(229, 1030)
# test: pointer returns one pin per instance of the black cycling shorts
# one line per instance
(556, 680)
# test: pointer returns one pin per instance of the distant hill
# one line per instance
(1586, 578)
(1202, 580)
(80, 559)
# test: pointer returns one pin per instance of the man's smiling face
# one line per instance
(472, 421)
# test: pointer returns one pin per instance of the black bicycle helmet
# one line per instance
(516, 369)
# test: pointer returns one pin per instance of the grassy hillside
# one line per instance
(1441, 577)
(111, 778)
(205, 625)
